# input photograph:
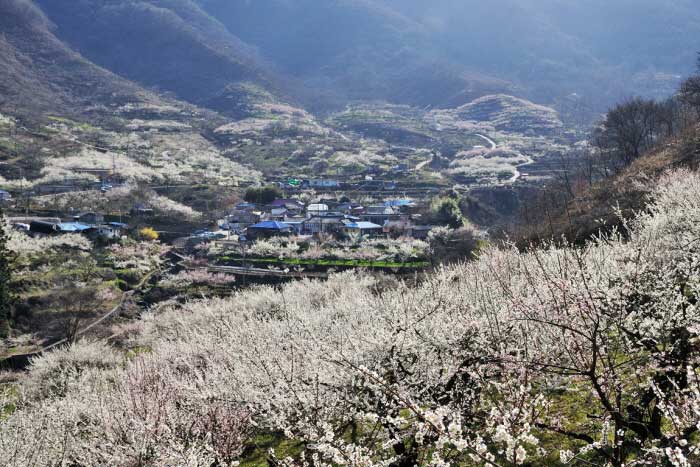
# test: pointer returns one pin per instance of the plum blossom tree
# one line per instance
(6, 258)
(557, 356)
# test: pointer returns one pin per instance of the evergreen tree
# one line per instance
(6, 298)
(448, 213)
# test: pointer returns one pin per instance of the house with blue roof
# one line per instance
(73, 227)
(363, 228)
(399, 203)
(245, 206)
(269, 229)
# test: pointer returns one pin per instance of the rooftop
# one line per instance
(284, 202)
(271, 225)
(363, 226)
(399, 203)
(73, 227)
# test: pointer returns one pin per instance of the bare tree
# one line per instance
(690, 90)
(629, 130)
(79, 304)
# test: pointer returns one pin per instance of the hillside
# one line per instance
(325, 54)
(476, 364)
(600, 50)
(168, 45)
(450, 52)
(40, 74)
(510, 114)
(352, 50)
(606, 204)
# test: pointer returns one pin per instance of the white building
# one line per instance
(316, 209)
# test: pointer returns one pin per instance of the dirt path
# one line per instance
(422, 165)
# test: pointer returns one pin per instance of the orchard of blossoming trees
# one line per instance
(557, 356)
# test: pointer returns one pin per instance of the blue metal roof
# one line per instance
(271, 225)
(73, 227)
(363, 226)
(398, 203)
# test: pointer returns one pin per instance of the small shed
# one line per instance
(278, 213)
(105, 231)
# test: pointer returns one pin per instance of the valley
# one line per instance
(151, 147)
(349, 233)
(183, 172)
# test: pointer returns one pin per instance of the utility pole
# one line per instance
(245, 276)
(13, 135)
(22, 192)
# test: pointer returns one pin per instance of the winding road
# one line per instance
(420, 166)
(517, 174)
(489, 141)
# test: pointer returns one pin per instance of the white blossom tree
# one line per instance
(561, 355)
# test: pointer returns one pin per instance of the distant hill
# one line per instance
(168, 45)
(510, 114)
(599, 49)
(39, 73)
(347, 50)
(226, 55)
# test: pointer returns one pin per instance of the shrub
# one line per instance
(54, 373)
(263, 195)
(196, 277)
(451, 246)
(447, 212)
(140, 256)
(149, 234)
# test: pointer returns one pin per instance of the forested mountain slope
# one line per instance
(601, 50)
(40, 74)
(577, 209)
(169, 45)
(357, 50)
(324, 54)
